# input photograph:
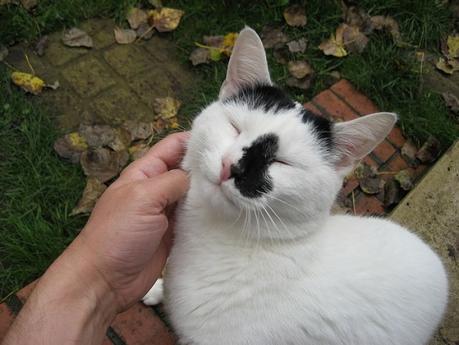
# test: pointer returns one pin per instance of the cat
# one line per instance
(257, 257)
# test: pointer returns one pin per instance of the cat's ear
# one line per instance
(247, 64)
(355, 139)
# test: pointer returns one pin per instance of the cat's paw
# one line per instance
(155, 295)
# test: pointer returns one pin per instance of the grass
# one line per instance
(37, 190)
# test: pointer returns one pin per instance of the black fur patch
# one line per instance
(322, 127)
(250, 172)
(266, 97)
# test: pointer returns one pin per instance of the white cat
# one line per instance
(257, 258)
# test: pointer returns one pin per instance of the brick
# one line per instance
(396, 137)
(6, 319)
(384, 151)
(140, 326)
(368, 205)
(128, 60)
(370, 161)
(336, 108)
(354, 98)
(25, 292)
(312, 108)
(349, 186)
(396, 163)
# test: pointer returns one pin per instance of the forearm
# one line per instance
(70, 305)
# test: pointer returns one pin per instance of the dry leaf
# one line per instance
(448, 66)
(41, 45)
(371, 185)
(408, 152)
(273, 37)
(281, 55)
(429, 151)
(138, 151)
(77, 38)
(452, 102)
(3, 52)
(121, 139)
(70, 146)
(136, 17)
(295, 15)
(303, 84)
(405, 180)
(391, 193)
(139, 130)
(93, 190)
(453, 46)
(354, 40)
(213, 41)
(388, 24)
(357, 17)
(156, 3)
(335, 44)
(145, 31)
(102, 163)
(124, 36)
(28, 82)
(165, 19)
(29, 4)
(54, 85)
(166, 107)
(228, 43)
(200, 56)
(299, 69)
(363, 170)
(297, 46)
(97, 135)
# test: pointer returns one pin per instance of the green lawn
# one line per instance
(37, 190)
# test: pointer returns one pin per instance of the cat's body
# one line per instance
(257, 258)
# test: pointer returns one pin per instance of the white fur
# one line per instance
(279, 269)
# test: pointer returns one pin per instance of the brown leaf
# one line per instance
(41, 45)
(357, 17)
(303, 84)
(166, 107)
(138, 150)
(299, 69)
(165, 19)
(392, 195)
(452, 102)
(273, 37)
(139, 130)
(70, 147)
(281, 55)
(404, 179)
(93, 190)
(200, 56)
(295, 15)
(145, 31)
(429, 151)
(371, 185)
(297, 46)
(121, 139)
(408, 152)
(156, 3)
(29, 4)
(448, 66)
(213, 41)
(102, 163)
(97, 135)
(124, 36)
(77, 38)
(354, 40)
(389, 25)
(363, 170)
(136, 17)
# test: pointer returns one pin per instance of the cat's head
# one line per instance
(255, 153)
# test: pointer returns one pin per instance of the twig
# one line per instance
(353, 202)
(28, 63)
(145, 33)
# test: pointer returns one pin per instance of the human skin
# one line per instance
(115, 259)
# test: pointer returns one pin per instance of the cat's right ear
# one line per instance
(247, 64)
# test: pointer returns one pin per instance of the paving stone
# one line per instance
(128, 59)
(58, 54)
(103, 39)
(118, 105)
(95, 25)
(160, 49)
(88, 76)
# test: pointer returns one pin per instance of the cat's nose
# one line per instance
(225, 173)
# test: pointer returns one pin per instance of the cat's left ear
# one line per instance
(247, 64)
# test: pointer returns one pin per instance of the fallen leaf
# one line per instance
(228, 43)
(273, 37)
(392, 195)
(448, 66)
(29, 4)
(77, 38)
(92, 191)
(389, 25)
(124, 36)
(295, 15)
(297, 46)
(54, 85)
(452, 102)
(357, 17)
(145, 31)
(138, 150)
(156, 3)
(200, 56)
(334, 45)
(281, 55)
(28, 82)
(3, 52)
(136, 17)
(139, 130)
(97, 135)
(405, 180)
(363, 170)
(215, 54)
(453, 46)
(429, 151)
(303, 84)
(70, 146)
(354, 40)
(408, 152)
(166, 107)
(165, 19)
(102, 163)
(371, 185)
(299, 69)
(213, 41)
(121, 139)
(41, 45)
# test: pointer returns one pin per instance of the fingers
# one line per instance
(164, 155)
(166, 189)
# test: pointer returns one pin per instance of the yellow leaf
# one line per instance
(228, 42)
(166, 107)
(453, 46)
(78, 141)
(333, 46)
(165, 19)
(28, 82)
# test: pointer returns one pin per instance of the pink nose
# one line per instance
(225, 173)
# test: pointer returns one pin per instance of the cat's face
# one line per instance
(254, 153)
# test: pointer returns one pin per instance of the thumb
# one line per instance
(166, 189)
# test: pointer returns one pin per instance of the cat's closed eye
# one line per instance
(236, 129)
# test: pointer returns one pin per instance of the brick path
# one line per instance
(143, 325)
